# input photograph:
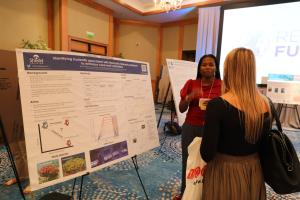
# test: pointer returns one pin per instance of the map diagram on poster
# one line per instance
(55, 135)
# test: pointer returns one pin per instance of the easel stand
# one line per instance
(11, 159)
(159, 119)
(164, 104)
(49, 196)
(134, 161)
(59, 196)
(55, 195)
(81, 183)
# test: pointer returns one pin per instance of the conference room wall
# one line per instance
(170, 43)
(190, 37)
(139, 43)
(165, 40)
(82, 18)
(26, 19)
(29, 20)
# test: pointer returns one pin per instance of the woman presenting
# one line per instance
(194, 96)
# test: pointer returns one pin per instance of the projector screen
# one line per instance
(271, 31)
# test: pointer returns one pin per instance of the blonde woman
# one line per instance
(235, 123)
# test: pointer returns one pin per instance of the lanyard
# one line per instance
(209, 90)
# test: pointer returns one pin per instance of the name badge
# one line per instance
(203, 103)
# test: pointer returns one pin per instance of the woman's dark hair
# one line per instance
(217, 73)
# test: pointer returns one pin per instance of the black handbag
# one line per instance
(279, 160)
(172, 128)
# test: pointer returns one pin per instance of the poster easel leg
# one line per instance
(164, 104)
(159, 119)
(81, 183)
(134, 160)
(73, 188)
(11, 159)
(80, 190)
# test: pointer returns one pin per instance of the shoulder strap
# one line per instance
(275, 115)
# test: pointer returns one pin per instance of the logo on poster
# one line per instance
(36, 60)
(144, 68)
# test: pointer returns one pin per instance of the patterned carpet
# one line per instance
(160, 172)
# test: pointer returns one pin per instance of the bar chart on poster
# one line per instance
(82, 113)
(179, 72)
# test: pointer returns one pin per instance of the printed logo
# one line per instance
(36, 60)
(196, 172)
(144, 68)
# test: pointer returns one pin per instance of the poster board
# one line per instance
(284, 88)
(82, 113)
(10, 104)
(179, 72)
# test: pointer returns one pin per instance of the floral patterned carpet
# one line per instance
(160, 171)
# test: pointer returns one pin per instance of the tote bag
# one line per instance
(279, 160)
(194, 172)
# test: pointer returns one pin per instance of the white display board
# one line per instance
(179, 72)
(83, 112)
(283, 88)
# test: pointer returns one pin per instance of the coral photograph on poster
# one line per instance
(73, 164)
(48, 171)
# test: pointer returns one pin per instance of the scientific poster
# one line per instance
(82, 113)
(179, 72)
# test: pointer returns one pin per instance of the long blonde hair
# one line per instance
(240, 80)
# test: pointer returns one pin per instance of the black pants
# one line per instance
(189, 132)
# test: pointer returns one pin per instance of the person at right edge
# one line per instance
(194, 96)
(234, 126)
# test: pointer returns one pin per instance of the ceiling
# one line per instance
(147, 10)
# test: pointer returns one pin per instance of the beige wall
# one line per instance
(82, 18)
(22, 19)
(170, 43)
(139, 43)
(190, 37)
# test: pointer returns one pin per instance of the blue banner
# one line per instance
(46, 61)
(280, 77)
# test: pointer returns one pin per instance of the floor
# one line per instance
(159, 170)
